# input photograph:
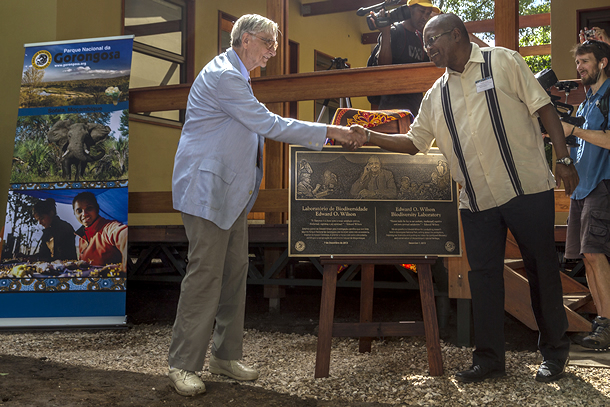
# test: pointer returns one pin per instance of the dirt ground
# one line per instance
(28, 382)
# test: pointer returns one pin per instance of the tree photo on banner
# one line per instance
(65, 231)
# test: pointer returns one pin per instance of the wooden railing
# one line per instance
(304, 86)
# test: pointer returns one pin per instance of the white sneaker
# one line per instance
(186, 383)
(232, 368)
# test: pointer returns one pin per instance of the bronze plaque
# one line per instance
(371, 202)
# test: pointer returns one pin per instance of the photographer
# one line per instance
(589, 217)
(401, 43)
(594, 33)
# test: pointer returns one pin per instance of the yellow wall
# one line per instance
(33, 21)
(151, 161)
(564, 35)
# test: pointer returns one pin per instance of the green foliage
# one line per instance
(33, 127)
(35, 156)
(538, 63)
(484, 10)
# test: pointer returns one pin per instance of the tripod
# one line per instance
(338, 63)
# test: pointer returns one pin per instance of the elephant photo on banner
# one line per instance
(72, 147)
(75, 141)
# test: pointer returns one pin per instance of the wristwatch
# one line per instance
(565, 161)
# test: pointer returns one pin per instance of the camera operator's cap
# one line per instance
(424, 3)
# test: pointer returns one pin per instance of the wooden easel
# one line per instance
(366, 329)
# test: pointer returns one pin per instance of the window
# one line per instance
(225, 25)
(161, 55)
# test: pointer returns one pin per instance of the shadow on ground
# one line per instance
(35, 382)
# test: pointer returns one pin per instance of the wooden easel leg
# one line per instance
(426, 290)
(367, 282)
(327, 311)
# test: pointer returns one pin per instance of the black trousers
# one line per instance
(531, 220)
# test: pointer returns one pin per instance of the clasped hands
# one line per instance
(350, 138)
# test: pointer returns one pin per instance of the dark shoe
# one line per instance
(600, 337)
(551, 370)
(478, 373)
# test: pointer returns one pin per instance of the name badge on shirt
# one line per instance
(484, 84)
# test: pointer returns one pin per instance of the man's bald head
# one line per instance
(446, 41)
(449, 22)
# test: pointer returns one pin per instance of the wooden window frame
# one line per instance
(186, 60)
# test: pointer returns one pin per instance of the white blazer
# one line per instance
(216, 174)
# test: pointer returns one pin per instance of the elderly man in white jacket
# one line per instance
(217, 174)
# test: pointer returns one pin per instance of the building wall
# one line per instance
(564, 35)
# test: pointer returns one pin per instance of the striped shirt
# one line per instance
(487, 129)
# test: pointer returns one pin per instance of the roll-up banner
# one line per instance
(64, 240)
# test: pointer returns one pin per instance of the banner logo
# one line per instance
(41, 59)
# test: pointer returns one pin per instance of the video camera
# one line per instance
(375, 21)
(548, 79)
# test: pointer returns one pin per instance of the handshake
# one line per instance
(350, 138)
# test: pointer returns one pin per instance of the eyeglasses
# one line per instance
(432, 40)
(271, 44)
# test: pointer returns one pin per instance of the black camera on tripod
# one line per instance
(376, 21)
(548, 79)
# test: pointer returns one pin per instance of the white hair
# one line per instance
(254, 24)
